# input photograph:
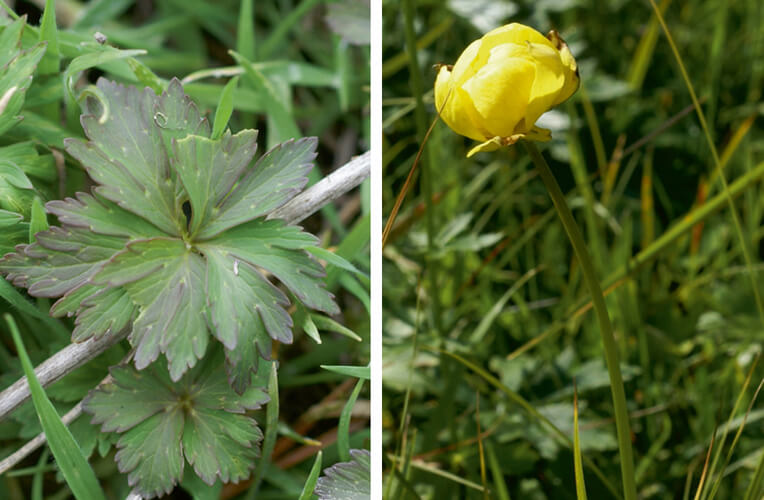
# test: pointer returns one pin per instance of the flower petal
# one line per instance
(466, 66)
(455, 106)
(489, 145)
(513, 33)
(501, 89)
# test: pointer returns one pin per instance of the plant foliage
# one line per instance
(16, 68)
(164, 424)
(347, 480)
(173, 243)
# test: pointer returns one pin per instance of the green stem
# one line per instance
(606, 328)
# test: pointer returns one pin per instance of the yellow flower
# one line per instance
(502, 83)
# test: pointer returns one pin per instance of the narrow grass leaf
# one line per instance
(48, 33)
(14, 298)
(286, 127)
(742, 235)
(310, 328)
(523, 403)
(271, 431)
(334, 259)
(343, 429)
(720, 474)
(38, 220)
(145, 76)
(69, 457)
(277, 37)
(224, 109)
(500, 486)
(577, 462)
(245, 34)
(325, 323)
(363, 372)
(310, 483)
(101, 55)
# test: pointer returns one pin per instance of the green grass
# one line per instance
(276, 66)
(676, 246)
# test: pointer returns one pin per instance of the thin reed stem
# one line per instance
(606, 328)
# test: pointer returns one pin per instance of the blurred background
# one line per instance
(477, 263)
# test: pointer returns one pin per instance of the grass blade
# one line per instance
(271, 430)
(525, 405)
(224, 109)
(48, 33)
(577, 462)
(502, 493)
(742, 237)
(343, 430)
(310, 483)
(246, 43)
(38, 220)
(69, 457)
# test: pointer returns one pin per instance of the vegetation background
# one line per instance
(477, 263)
(314, 56)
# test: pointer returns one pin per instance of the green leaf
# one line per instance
(48, 33)
(139, 259)
(9, 219)
(224, 109)
(60, 260)
(284, 124)
(343, 428)
(16, 69)
(272, 426)
(12, 176)
(151, 454)
(246, 312)
(245, 33)
(126, 154)
(101, 216)
(310, 328)
(69, 457)
(329, 324)
(39, 220)
(347, 480)
(363, 372)
(208, 170)
(103, 313)
(310, 483)
(270, 245)
(162, 425)
(144, 75)
(173, 241)
(25, 156)
(101, 54)
(276, 177)
(167, 282)
(14, 298)
(222, 445)
(334, 259)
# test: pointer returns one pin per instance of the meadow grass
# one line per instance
(488, 338)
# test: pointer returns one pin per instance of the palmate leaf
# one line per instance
(347, 480)
(173, 241)
(162, 425)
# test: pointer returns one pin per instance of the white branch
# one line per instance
(301, 206)
(54, 368)
(327, 189)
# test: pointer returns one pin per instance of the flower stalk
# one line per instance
(606, 327)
